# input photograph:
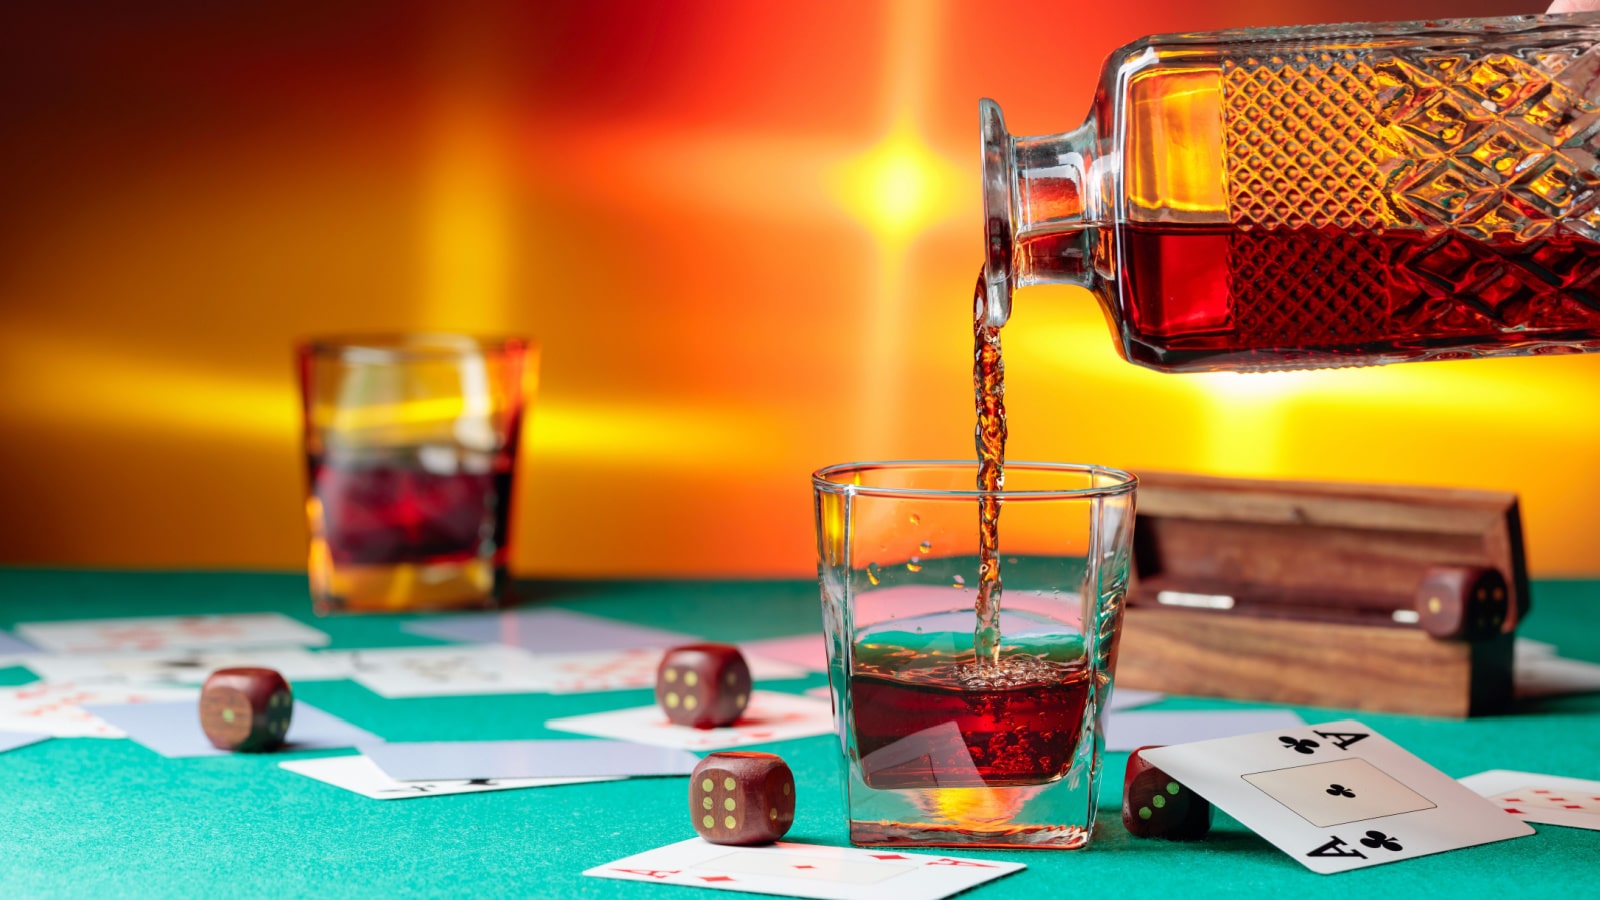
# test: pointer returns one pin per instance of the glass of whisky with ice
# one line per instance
(411, 446)
(969, 671)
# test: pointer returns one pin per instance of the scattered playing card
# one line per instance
(1530, 647)
(11, 647)
(173, 729)
(1132, 730)
(1128, 698)
(807, 870)
(362, 775)
(184, 666)
(609, 670)
(771, 716)
(547, 631)
(233, 631)
(1546, 799)
(1337, 796)
(457, 760)
(1549, 675)
(808, 651)
(936, 756)
(447, 671)
(57, 709)
(11, 740)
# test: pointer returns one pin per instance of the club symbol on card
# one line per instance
(1303, 745)
(1339, 790)
(1377, 839)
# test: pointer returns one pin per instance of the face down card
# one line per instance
(1338, 796)
(362, 775)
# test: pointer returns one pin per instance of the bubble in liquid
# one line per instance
(959, 582)
(916, 519)
(914, 565)
(925, 546)
(872, 573)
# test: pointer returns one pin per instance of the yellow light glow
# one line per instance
(81, 384)
(977, 808)
(899, 186)
(1174, 164)
(467, 219)
(657, 436)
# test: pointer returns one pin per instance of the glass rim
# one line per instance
(407, 346)
(1125, 482)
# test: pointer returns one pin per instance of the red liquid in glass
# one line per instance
(1018, 726)
(409, 528)
(394, 510)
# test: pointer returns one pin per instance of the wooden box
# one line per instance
(1306, 593)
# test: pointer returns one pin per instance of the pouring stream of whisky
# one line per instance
(989, 395)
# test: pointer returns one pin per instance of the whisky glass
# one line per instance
(410, 448)
(942, 746)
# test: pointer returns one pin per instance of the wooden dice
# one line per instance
(246, 709)
(703, 685)
(1156, 805)
(1462, 602)
(741, 798)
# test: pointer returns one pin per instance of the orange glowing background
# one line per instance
(744, 233)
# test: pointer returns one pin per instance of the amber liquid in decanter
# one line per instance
(1339, 195)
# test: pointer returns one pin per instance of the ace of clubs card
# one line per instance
(1336, 797)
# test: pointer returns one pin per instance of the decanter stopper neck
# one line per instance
(1038, 207)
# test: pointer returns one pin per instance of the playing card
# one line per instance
(808, 651)
(447, 671)
(184, 666)
(1546, 799)
(1530, 647)
(456, 760)
(807, 870)
(362, 775)
(547, 631)
(936, 756)
(12, 647)
(11, 740)
(57, 709)
(1337, 796)
(1549, 675)
(1132, 730)
(1128, 698)
(771, 716)
(609, 670)
(232, 631)
(173, 729)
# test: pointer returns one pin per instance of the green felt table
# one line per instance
(88, 817)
